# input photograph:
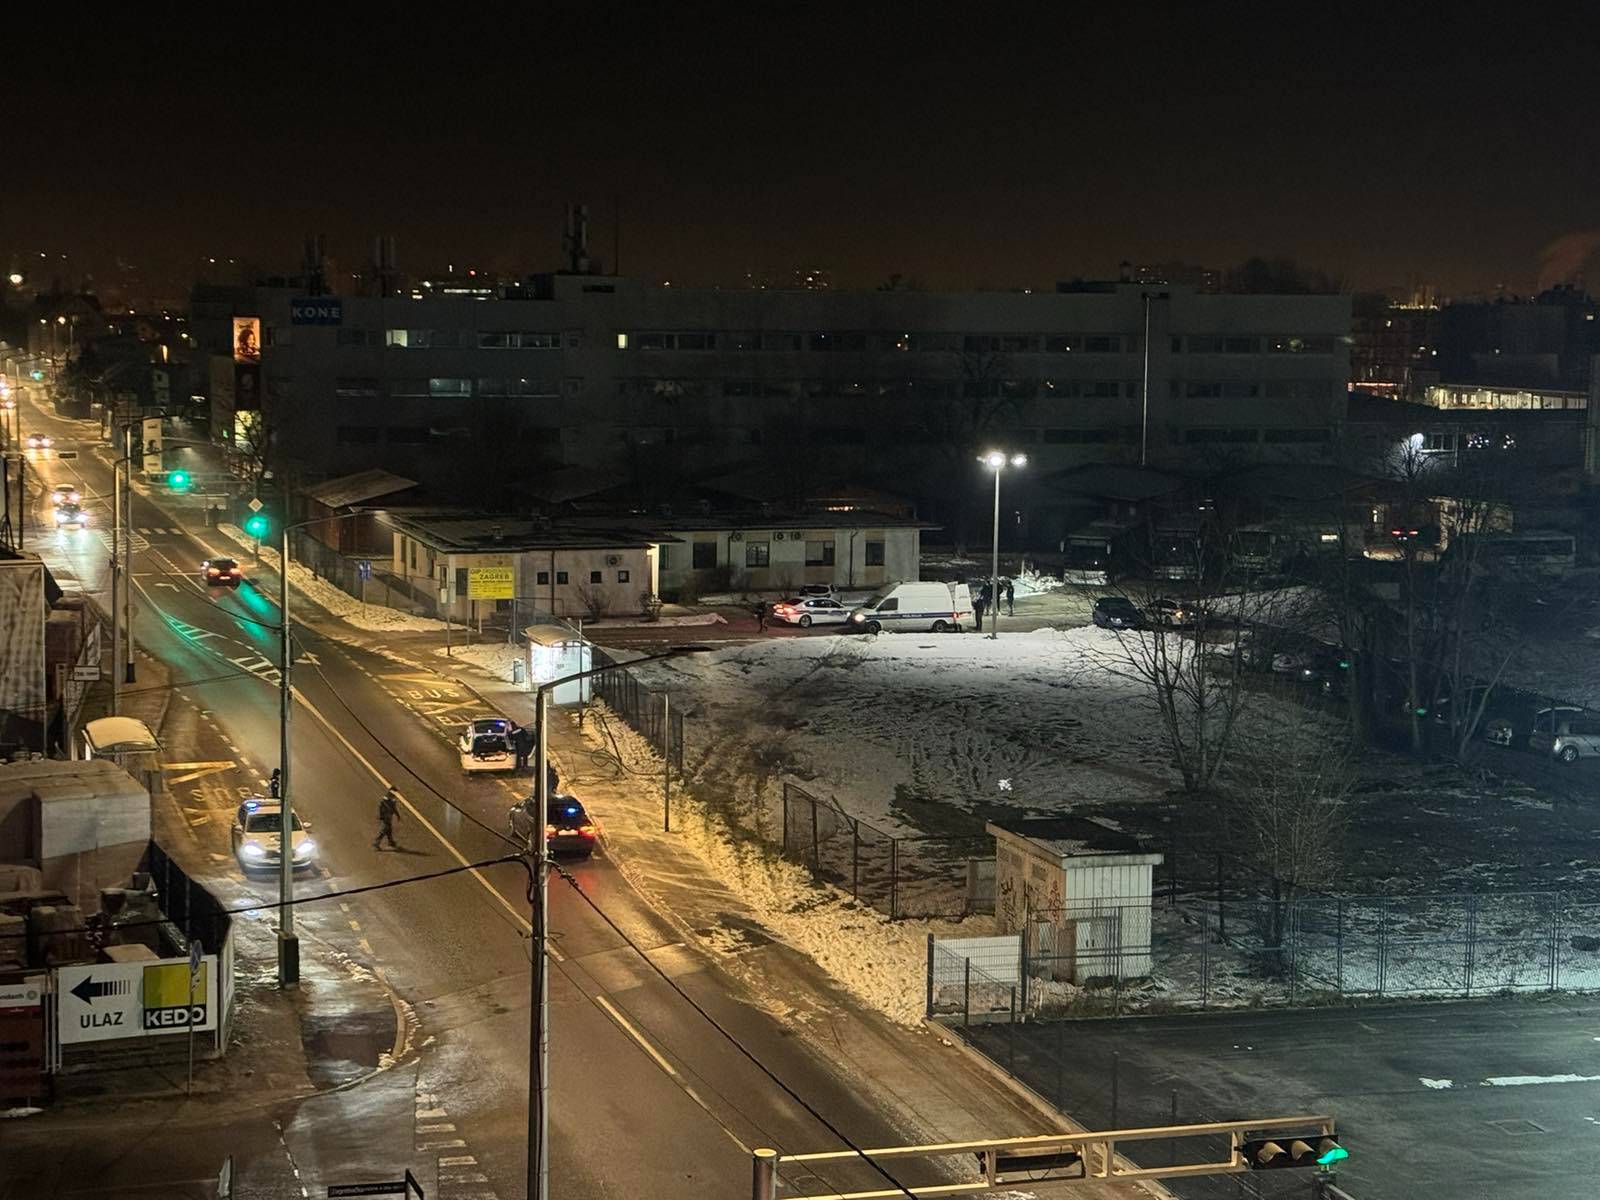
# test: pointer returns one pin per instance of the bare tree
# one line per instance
(1288, 816)
(1198, 692)
(958, 422)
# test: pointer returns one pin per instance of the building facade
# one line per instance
(607, 372)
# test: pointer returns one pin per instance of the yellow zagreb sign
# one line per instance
(491, 583)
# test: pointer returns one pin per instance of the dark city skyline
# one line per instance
(984, 151)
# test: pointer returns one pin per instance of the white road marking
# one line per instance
(644, 1043)
(442, 1144)
(1527, 1080)
(437, 1127)
(458, 1160)
(1437, 1085)
(424, 1114)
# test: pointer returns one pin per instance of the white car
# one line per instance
(71, 516)
(66, 493)
(257, 836)
(485, 745)
(806, 611)
(40, 441)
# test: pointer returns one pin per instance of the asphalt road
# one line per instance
(647, 1098)
(1490, 1100)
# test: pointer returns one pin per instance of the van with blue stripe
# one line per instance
(915, 608)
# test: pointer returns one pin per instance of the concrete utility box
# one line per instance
(1079, 893)
(553, 652)
(82, 824)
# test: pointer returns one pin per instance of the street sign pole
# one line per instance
(196, 951)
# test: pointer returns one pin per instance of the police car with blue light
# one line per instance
(568, 829)
(257, 836)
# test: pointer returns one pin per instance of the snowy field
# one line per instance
(924, 734)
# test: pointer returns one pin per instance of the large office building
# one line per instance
(633, 380)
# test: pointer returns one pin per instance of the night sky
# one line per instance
(979, 148)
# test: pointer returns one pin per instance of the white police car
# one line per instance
(485, 745)
(257, 840)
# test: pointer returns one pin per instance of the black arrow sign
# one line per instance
(87, 989)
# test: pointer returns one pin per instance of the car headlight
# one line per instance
(252, 850)
(305, 849)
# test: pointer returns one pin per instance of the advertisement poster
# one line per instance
(247, 339)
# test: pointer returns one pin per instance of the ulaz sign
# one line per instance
(126, 1000)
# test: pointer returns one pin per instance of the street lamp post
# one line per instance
(288, 943)
(539, 1010)
(996, 461)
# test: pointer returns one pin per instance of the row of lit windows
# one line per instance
(448, 387)
(860, 343)
(997, 389)
(902, 436)
(1276, 343)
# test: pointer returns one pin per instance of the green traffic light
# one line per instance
(256, 526)
(178, 481)
(1334, 1153)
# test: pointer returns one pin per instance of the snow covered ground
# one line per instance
(374, 618)
(496, 659)
(925, 733)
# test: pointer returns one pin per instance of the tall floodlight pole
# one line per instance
(996, 461)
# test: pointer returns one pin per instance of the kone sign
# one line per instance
(107, 1001)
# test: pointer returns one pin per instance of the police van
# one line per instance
(915, 608)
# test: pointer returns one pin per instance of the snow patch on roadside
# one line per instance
(375, 618)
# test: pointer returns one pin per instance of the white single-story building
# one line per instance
(532, 564)
(766, 552)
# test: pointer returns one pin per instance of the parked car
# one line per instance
(1117, 612)
(1567, 734)
(917, 607)
(221, 572)
(806, 611)
(815, 589)
(485, 745)
(567, 827)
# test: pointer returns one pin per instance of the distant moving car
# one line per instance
(1117, 612)
(1567, 734)
(65, 493)
(40, 441)
(257, 835)
(815, 589)
(567, 827)
(221, 572)
(806, 611)
(71, 516)
(1166, 613)
(485, 745)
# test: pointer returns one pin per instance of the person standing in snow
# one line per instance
(1011, 597)
(978, 606)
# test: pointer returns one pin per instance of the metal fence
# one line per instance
(1109, 958)
(923, 876)
(648, 712)
(188, 906)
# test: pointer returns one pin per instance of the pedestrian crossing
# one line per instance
(140, 543)
(159, 530)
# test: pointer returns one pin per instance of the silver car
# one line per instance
(1566, 733)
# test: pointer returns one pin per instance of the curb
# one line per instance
(1045, 1109)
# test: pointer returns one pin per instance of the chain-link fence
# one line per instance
(647, 712)
(920, 876)
(1100, 957)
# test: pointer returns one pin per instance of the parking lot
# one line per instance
(1496, 1100)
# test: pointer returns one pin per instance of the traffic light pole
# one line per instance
(127, 551)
